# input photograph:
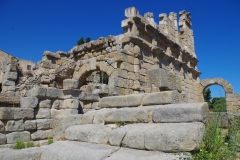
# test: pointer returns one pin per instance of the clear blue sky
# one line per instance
(29, 27)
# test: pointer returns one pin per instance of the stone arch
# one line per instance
(86, 69)
(217, 81)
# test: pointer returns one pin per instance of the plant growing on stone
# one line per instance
(50, 140)
(29, 144)
(214, 146)
(19, 144)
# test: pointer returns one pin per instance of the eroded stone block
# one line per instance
(28, 102)
(14, 136)
(70, 84)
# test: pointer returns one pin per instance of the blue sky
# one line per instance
(29, 27)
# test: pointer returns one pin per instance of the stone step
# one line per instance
(165, 137)
(135, 100)
(171, 113)
(70, 150)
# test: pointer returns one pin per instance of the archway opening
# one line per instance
(216, 97)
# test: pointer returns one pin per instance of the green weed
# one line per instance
(50, 140)
(19, 144)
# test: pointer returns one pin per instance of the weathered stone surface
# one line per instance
(2, 126)
(3, 139)
(162, 79)
(65, 112)
(14, 136)
(62, 122)
(23, 113)
(174, 137)
(175, 113)
(54, 93)
(38, 92)
(11, 76)
(8, 83)
(121, 101)
(44, 123)
(88, 133)
(166, 97)
(70, 84)
(40, 134)
(30, 125)
(139, 114)
(116, 136)
(6, 113)
(44, 113)
(71, 93)
(88, 117)
(14, 125)
(45, 104)
(28, 102)
(33, 153)
(88, 97)
(70, 104)
(133, 154)
(70, 150)
(57, 104)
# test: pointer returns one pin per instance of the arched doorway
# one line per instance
(219, 81)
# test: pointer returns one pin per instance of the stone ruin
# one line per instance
(146, 78)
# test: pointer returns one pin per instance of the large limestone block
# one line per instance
(6, 113)
(38, 92)
(174, 137)
(166, 97)
(33, 153)
(14, 136)
(40, 134)
(3, 139)
(29, 102)
(14, 125)
(12, 76)
(71, 150)
(121, 101)
(176, 113)
(57, 104)
(65, 112)
(133, 154)
(139, 114)
(45, 104)
(88, 133)
(89, 97)
(71, 93)
(70, 104)
(116, 136)
(163, 79)
(44, 123)
(8, 83)
(23, 113)
(62, 122)
(54, 93)
(70, 84)
(30, 125)
(44, 113)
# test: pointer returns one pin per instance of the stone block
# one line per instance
(2, 126)
(177, 113)
(8, 83)
(62, 122)
(70, 84)
(23, 113)
(121, 101)
(45, 104)
(131, 12)
(44, 123)
(163, 79)
(38, 92)
(88, 133)
(14, 136)
(116, 136)
(40, 134)
(71, 93)
(30, 125)
(88, 97)
(3, 139)
(6, 113)
(14, 126)
(87, 118)
(12, 76)
(54, 93)
(66, 148)
(57, 104)
(29, 102)
(70, 104)
(166, 97)
(43, 113)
